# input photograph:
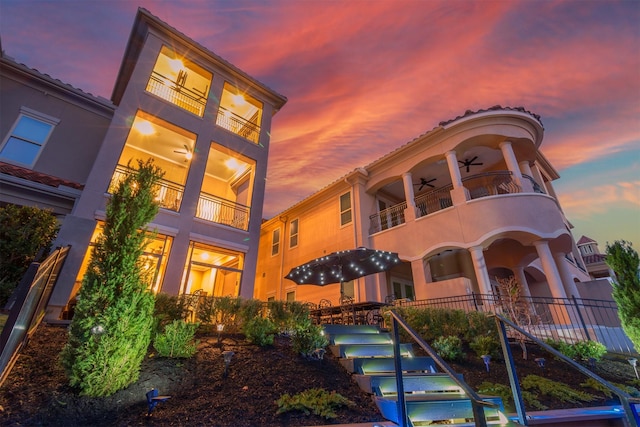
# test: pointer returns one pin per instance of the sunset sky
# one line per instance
(365, 77)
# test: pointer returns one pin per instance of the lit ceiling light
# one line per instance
(238, 99)
(144, 127)
(176, 65)
(188, 155)
(204, 256)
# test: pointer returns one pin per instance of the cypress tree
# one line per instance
(111, 330)
(624, 261)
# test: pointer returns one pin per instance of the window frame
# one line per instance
(349, 209)
(293, 235)
(26, 112)
(275, 242)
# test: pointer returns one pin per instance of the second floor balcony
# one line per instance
(169, 194)
(479, 186)
(177, 94)
(238, 125)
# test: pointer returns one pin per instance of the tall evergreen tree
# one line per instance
(111, 330)
(624, 261)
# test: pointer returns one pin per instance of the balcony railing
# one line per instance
(433, 201)
(238, 125)
(387, 218)
(491, 184)
(169, 193)
(537, 188)
(222, 211)
(171, 91)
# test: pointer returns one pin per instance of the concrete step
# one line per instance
(365, 338)
(425, 409)
(386, 365)
(385, 385)
(330, 329)
(369, 350)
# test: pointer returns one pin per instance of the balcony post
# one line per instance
(512, 163)
(527, 186)
(563, 268)
(459, 194)
(550, 269)
(480, 267)
(410, 212)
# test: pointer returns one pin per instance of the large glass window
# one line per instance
(29, 134)
(345, 208)
(171, 149)
(213, 271)
(180, 81)
(227, 188)
(293, 233)
(240, 113)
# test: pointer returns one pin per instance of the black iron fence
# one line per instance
(562, 319)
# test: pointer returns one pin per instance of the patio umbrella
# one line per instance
(343, 266)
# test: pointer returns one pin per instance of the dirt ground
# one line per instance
(36, 392)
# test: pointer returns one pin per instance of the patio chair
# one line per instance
(326, 315)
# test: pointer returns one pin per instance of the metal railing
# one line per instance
(562, 319)
(433, 201)
(238, 125)
(491, 184)
(628, 403)
(176, 94)
(387, 218)
(537, 188)
(477, 404)
(169, 194)
(222, 211)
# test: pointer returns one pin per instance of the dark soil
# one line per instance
(36, 392)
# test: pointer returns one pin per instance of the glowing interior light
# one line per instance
(176, 65)
(189, 155)
(144, 127)
(204, 256)
(238, 99)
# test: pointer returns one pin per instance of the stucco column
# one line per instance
(410, 212)
(550, 269)
(480, 267)
(527, 185)
(522, 280)
(419, 279)
(569, 285)
(459, 194)
(512, 163)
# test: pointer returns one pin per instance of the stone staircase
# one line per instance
(431, 397)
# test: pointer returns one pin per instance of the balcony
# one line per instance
(222, 211)
(176, 94)
(169, 193)
(238, 125)
(479, 186)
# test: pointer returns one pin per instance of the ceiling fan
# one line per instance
(187, 153)
(467, 163)
(426, 182)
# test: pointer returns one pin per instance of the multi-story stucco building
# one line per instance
(203, 121)
(464, 205)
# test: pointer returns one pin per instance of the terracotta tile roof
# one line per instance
(33, 176)
(494, 108)
(584, 240)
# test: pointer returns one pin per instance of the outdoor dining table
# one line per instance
(357, 313)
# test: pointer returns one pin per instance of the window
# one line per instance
(275, 242)
(180, 81)
(293, 233)
(291, 296)
(345, 208)
(30, 133)
(240, 113)
(212, 271)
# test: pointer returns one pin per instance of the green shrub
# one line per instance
(316, 400)
(585, 350)
(556, 390)
(177, 340)
(26, 234)
(168, 308)
(221, 311)
(506, 394)
(482, 345)
(110, 332)
(260, 331)
(449, 348)
(307, 338)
